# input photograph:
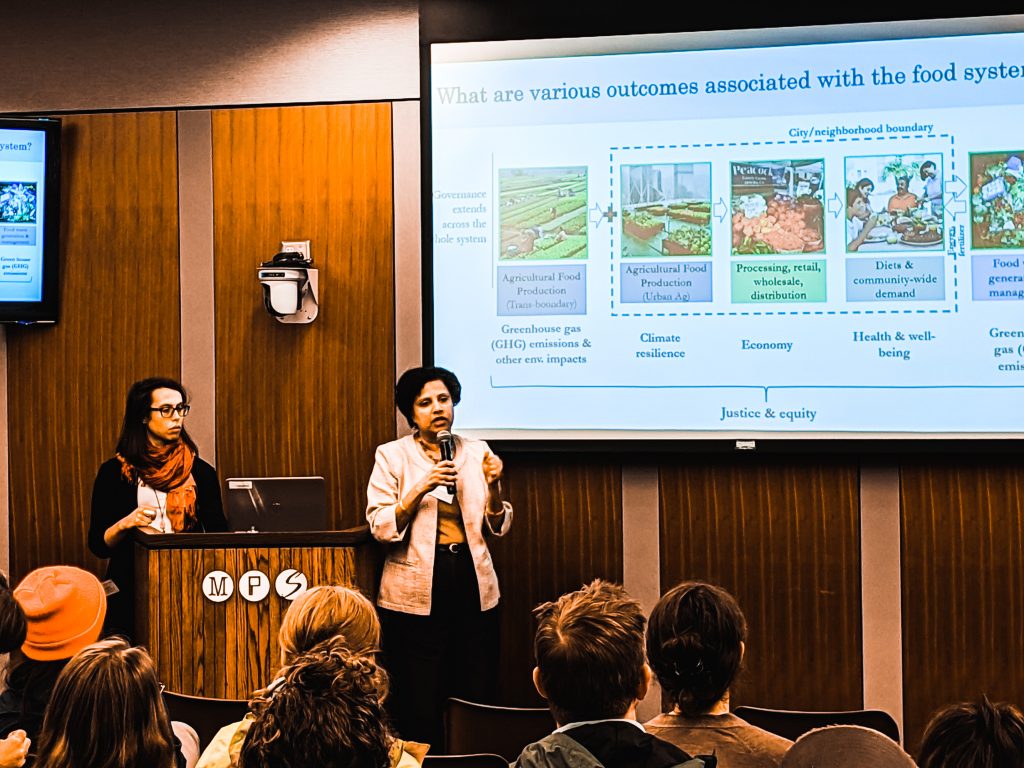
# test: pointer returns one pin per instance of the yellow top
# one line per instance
(450, 528)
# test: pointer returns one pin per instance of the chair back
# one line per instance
(472, 728)
(792, 724)
(465, 761)
(207, 716)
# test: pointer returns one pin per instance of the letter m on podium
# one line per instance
(218, 586)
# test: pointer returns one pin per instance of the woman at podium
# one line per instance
(155, 481)
(431, 498)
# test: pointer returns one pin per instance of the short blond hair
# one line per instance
(323, 612)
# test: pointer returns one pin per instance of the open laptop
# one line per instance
(276, 504)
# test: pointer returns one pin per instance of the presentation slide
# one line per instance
(22, 180)
(716, 235)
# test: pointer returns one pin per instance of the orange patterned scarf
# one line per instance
(169, 470)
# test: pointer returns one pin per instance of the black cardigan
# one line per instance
(113, 497)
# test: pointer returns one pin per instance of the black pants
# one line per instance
(451, 652)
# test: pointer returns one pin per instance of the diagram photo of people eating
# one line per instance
(894, 203)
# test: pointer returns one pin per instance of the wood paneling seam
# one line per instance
(195, 265)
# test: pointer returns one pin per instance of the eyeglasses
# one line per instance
(181, 409)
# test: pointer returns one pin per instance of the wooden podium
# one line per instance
(208, 605)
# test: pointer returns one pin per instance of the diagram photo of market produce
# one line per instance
(778, 208)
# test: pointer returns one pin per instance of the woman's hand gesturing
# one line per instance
(492, 467)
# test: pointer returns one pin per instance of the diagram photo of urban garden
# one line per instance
(778, 207)
(997, 200)
(666, 210)
(543, 213)
(894, 203)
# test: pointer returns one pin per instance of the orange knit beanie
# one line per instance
(65, 608)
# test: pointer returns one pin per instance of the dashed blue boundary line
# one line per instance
(710, 145)
(786, 142)
(792, 312)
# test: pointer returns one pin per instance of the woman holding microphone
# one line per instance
(431, 498)
(156, 480)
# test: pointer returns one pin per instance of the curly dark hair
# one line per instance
(411, 383)
(327, 711)
(695, 644)
(974, 735)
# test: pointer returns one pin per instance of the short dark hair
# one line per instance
(973, 735)
(927, 164)
(694, 644)
(411, 383)
(589, 649)
(327, 711)
(134, 441)
(862, 182)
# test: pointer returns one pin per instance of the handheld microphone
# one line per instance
(446, 443)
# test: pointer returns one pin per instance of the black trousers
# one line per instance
(453, 652)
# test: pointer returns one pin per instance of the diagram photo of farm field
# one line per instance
(997, 199)
(543, 213)
(666, 210)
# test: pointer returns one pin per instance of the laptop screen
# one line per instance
(276, 504)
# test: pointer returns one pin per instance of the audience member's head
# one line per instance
(106, 711)
(974, 735)
(695, 642)
(589, 650)
(64, 609)
(323, 612)
(326, 711)
(846, 746)
(12, 618)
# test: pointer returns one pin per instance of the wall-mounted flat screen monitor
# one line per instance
(29, 220)
(783, 233)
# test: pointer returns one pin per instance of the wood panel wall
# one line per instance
(119, 323)
(784, 538)
(963, 586)
(305, 399)
(567, 531)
